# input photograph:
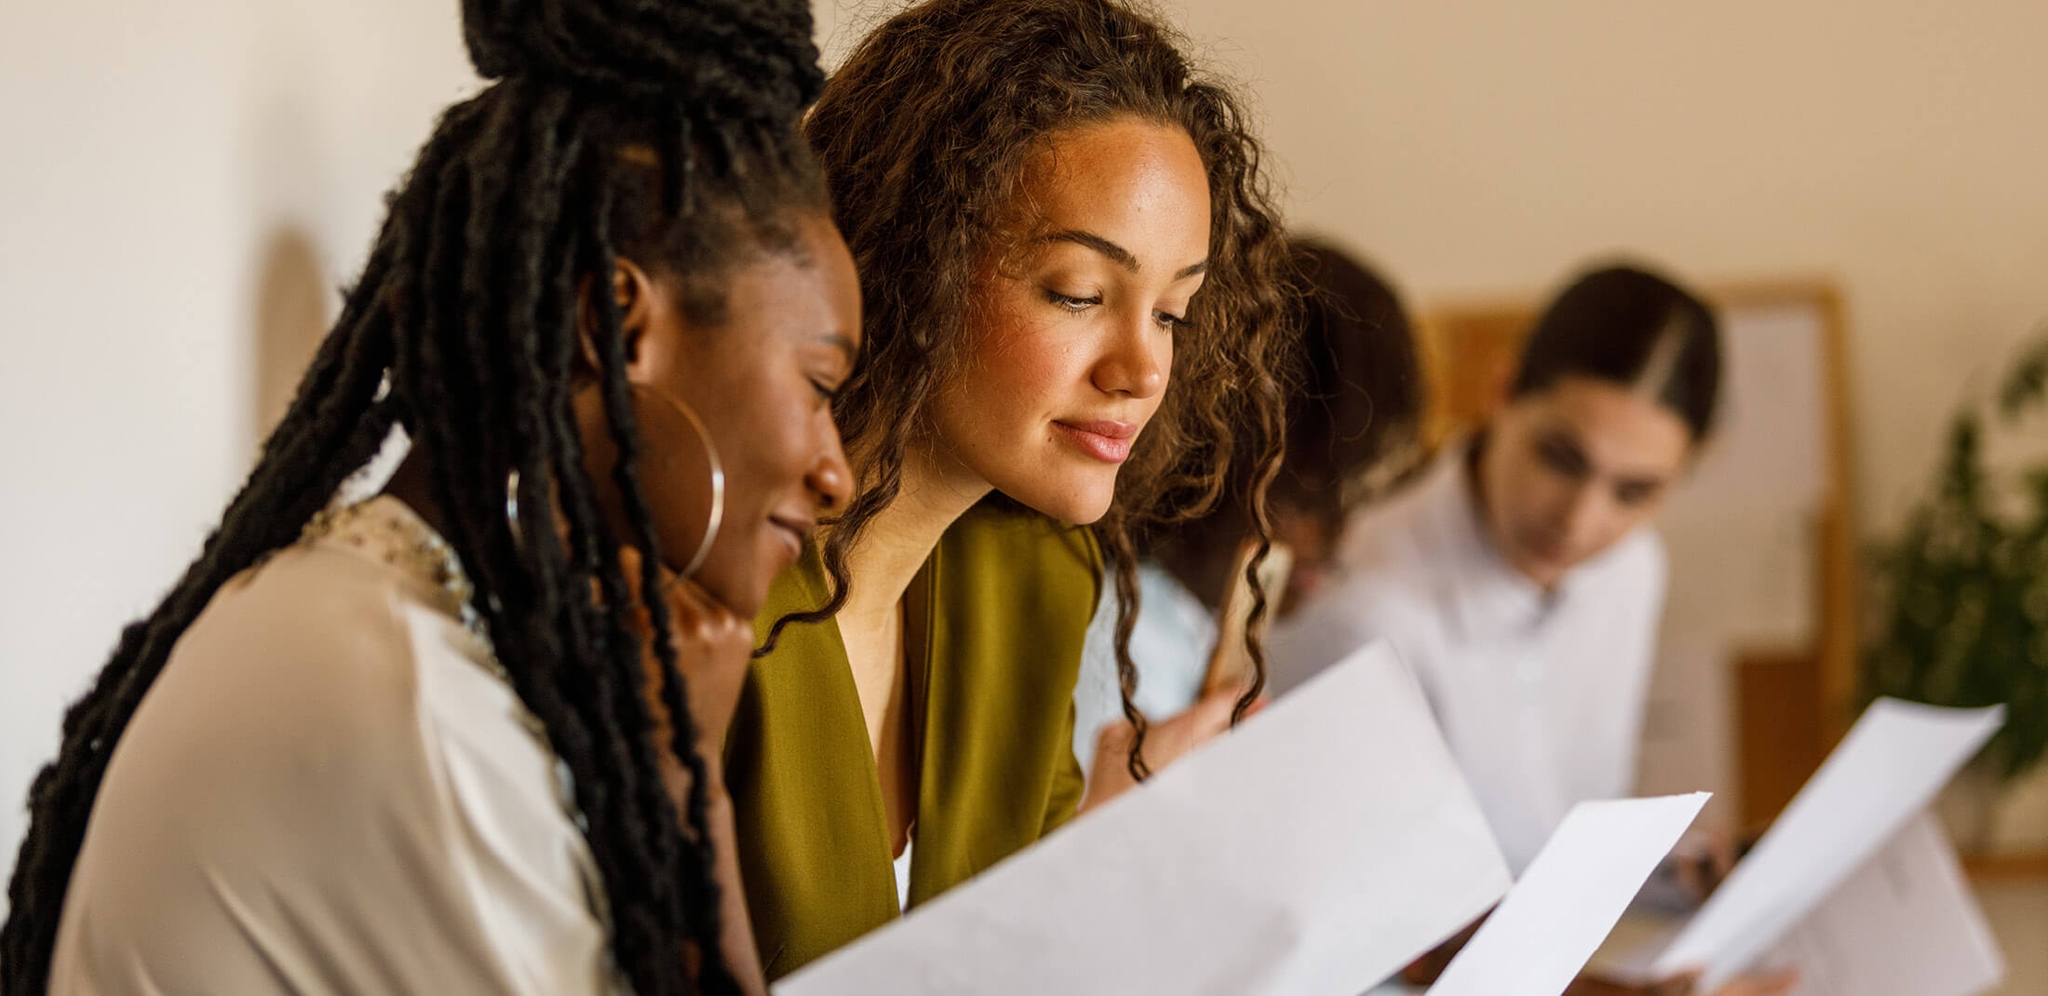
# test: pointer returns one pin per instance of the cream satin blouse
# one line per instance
(332, 789)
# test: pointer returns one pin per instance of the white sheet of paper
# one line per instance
(1905, 924)
(1888, 768)
(1553, 920)
(1317, 849)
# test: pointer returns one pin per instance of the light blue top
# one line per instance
(1170, 646)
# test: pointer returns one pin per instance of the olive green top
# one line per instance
(993, 626)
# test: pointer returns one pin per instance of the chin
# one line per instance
(1078, 502)
(737, 582)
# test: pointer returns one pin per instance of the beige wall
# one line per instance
(150, 152)
(1484, 146)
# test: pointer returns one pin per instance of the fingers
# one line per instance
(1165, 742)
(1679, 985)
(1210, 715)
(1779, 983)
(1721, 852)
(692, 611)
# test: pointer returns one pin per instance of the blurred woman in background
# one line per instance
(1519, 576)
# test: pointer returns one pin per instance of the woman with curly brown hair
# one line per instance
(1076, 289)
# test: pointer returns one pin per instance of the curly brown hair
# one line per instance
(926, 134)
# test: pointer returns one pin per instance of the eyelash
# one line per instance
(1171, 323)
(1072, 303)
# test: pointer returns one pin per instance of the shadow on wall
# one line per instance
(292, 313)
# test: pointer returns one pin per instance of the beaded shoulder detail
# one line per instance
(385, 530)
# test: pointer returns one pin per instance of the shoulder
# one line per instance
(321, 775)
(1370, 603)
(1366, 606)
(305, 691)
(1392, 567)
(1410, 533)
(316, 644)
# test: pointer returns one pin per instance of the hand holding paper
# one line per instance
(1887, 769)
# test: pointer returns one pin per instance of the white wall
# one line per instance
(150, 150)
(120, 407)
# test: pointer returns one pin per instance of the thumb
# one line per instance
(1211, 715)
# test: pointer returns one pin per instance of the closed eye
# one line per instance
(1563, 457)
(1636, 492)
(1070, 302)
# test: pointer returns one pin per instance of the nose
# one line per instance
(1136, 360)
(830, 479)
(1582, 514)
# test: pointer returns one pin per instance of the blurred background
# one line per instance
(183, 188)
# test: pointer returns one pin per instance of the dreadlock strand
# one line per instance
(618, 405)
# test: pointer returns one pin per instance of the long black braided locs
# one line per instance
(656, 129)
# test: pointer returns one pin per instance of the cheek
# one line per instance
(779, 451)
(1535, 486)
(1621, 519)
(761, 443)
(1017, 371)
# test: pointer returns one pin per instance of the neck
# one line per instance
(936, 492)
(409, 484)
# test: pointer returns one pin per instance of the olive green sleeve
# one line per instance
(1069, 784)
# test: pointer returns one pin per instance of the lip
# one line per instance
(1107, 440)
(794, 533)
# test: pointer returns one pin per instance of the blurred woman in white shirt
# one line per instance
(1520, 578)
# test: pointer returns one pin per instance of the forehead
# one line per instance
(811, 294)
(1137, 183)
(1623, 432)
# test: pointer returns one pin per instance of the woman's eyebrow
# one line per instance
(1116, 253)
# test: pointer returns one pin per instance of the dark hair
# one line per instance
(1630, 327)
(661, 130)
(1359, 395)
(1354, 409)
(926, 134)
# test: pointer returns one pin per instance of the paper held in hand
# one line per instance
(1317, 849)
(1551, 922)
(1905, 924)
(1884, 772)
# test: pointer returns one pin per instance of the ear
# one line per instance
(633, 292)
